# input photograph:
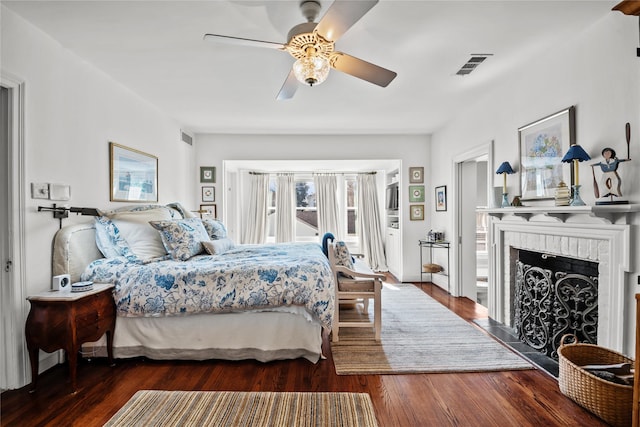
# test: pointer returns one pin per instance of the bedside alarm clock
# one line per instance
(61, 283)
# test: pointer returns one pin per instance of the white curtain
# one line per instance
(369, 224)
(285, 208)
(255, 230)
(327, 205)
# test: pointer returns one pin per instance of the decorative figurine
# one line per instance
(516, 202)
(610, 181)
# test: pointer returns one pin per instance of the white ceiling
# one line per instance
(156, 49)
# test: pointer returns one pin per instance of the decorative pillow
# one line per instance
(343, 257)
(143, 240)
(215, 228)
(182, 238)
(219, 246)
(109, 240)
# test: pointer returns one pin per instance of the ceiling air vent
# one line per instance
(472, 63)
(185, 137)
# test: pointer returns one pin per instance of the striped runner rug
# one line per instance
(242, 409)
(419, 335)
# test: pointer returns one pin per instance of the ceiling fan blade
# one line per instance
(341, 16)
(289, 87)
(243, 42)
(362, 69)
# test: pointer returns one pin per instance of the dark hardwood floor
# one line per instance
(513, 398)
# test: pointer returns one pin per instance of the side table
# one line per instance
(66, 321)
(431, 245)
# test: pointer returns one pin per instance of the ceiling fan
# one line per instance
(312, 44)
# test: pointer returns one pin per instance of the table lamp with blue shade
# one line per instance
(576, 155)
(505, 168)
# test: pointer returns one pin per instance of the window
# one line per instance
(306, 212)
(306, 208)
(351, 193)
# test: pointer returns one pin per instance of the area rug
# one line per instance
(419, 335)
(226, 408)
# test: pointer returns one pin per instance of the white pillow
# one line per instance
(144, 240)
(219, 246)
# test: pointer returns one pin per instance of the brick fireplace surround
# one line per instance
(594, 233)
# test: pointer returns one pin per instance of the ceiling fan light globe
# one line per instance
(311, 70)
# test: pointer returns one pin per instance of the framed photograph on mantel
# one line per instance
(543, 143)
(133, 175)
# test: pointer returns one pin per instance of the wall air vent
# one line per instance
(185, 137)
(472, 63)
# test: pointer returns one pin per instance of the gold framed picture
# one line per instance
(133, 175)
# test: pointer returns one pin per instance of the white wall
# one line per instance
(412, 150)
(597, 71)
(72, 111)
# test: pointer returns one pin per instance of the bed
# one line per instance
(262, 302)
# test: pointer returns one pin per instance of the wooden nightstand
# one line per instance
(66, 321)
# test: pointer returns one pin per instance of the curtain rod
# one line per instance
(311, 172)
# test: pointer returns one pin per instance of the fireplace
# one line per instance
(553, 296)
(587, 234)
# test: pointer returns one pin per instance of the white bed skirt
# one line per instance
(259, 335)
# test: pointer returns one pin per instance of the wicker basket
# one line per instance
(610, 401)
(431, 268)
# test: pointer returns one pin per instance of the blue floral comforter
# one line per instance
(244, 278)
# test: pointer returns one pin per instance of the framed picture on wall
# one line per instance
(208, 210)
(416, 193)
(441, 198)
(133, 175)
(208, 194)
(416, 175)
(208, 174)
(416, 212)
(543, 143)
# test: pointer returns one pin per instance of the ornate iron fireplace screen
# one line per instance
(554, 296)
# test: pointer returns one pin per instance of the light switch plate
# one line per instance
(39, 190)
(59, 192)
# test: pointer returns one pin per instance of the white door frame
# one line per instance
(15, 368)
(473, 153)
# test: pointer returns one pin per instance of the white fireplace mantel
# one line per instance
(612, 214)
(595, 233)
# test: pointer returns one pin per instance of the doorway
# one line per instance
(472, 182)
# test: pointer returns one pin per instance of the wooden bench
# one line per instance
(359, 284)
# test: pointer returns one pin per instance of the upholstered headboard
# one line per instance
(74, 248)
